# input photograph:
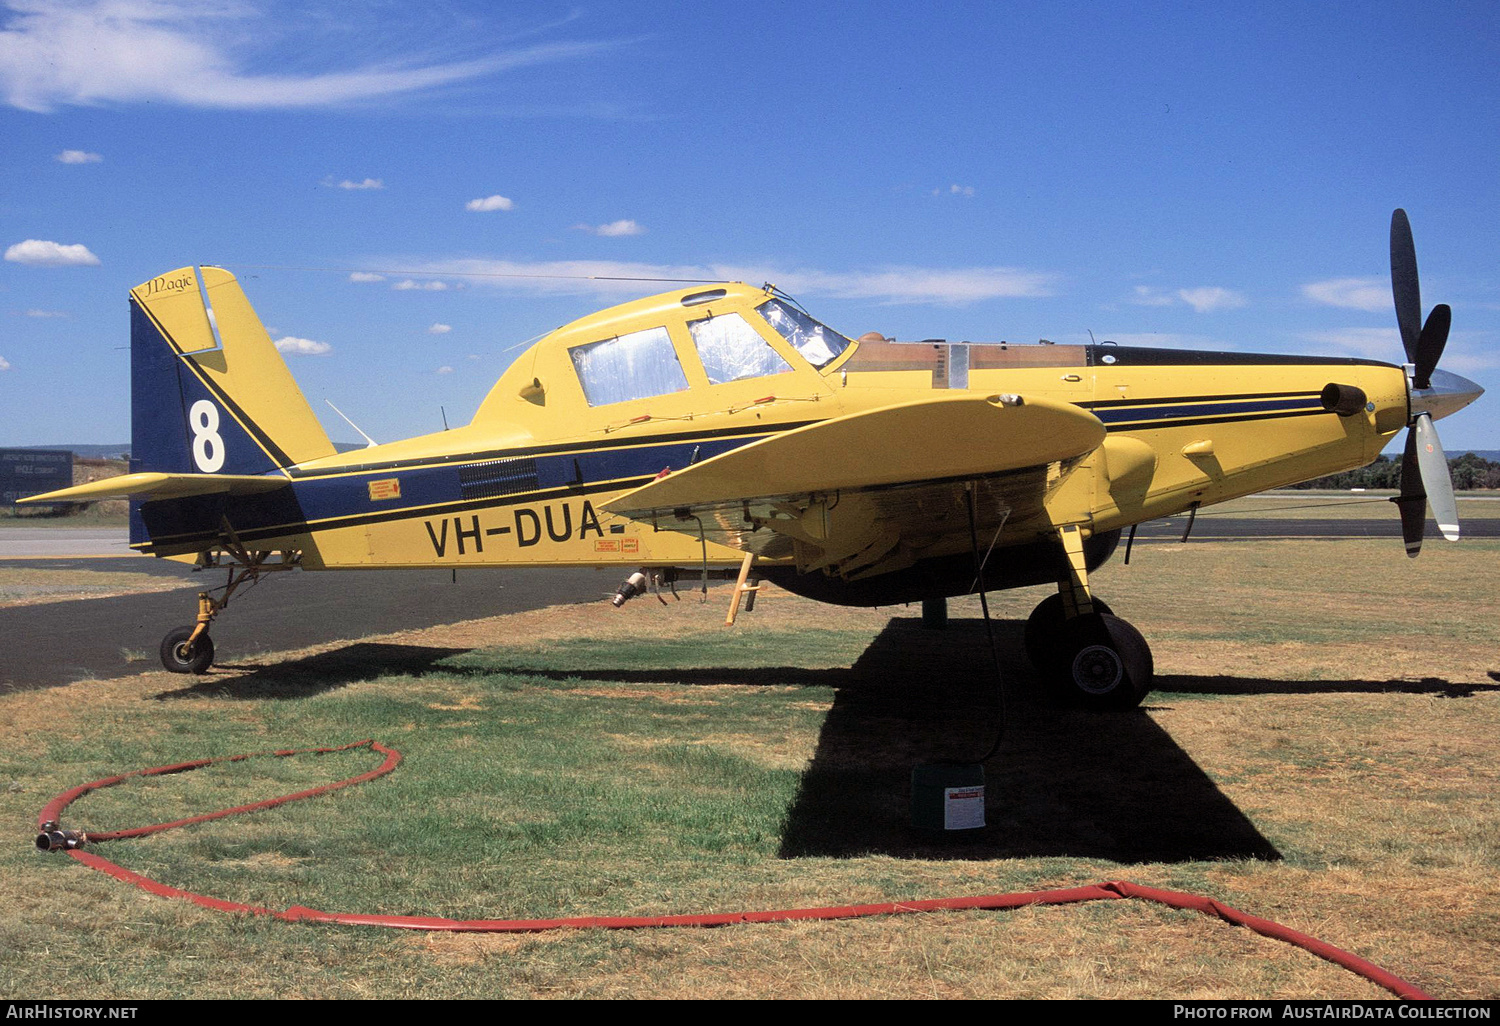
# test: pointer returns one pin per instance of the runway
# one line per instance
(16, 542)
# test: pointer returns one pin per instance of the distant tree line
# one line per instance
(1469, 472)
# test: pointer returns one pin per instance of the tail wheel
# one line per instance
(1044, 628)
(179, 657)
(1103, 663)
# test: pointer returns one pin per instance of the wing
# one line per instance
(872, 492)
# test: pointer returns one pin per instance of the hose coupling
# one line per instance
(54, 838)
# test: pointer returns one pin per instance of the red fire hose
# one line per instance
(53, 837)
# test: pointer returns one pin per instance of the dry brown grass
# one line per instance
(1331, 698)
(24, 586)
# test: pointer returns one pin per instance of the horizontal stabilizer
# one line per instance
(930, 440)
(149, 487)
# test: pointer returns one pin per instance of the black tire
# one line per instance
(1103, 663)
(1044, 628)
(177, 657)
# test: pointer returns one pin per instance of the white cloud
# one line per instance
(905, 284)
(366, 276)
(440, 329)
(197, 54)
(4, 364)
(1373, 294)
(45, 313)
(614, 228)
(966, 191)
(1467, 353)
(426, 286)
(1464, 363)
(1204, 299)
(886, 285)
(1145, 295)
(51, 254)
(368, 183)
(1210, 297)
(496, 202)
(1371, 343)
(302, 346)
(445, 369)
(78, 157)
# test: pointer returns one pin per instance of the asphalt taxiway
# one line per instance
(52, 643)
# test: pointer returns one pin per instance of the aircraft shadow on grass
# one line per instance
(315, 674)
(1066, 782)
(1225, 685)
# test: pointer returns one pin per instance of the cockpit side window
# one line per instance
(819, 343)
(730, 349)
(637, 365)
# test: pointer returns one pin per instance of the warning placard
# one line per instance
(963, 808)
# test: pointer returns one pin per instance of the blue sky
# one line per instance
(1196, 175)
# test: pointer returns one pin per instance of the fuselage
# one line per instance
(607, 403)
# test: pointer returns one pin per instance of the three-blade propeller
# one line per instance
(1424, 465)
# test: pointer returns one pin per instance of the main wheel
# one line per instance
(1044, 628)
(1103, 663)
(179, 658)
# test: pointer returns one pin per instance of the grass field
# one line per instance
(30, 585)
(1320, 751)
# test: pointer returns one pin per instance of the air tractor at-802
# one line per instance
(723, 426)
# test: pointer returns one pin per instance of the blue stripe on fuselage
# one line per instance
(1131, 414)
(327, 501)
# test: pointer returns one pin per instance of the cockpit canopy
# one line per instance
(731, 346)
(668, 344)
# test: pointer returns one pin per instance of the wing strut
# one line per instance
(984, 606)
(741, 589)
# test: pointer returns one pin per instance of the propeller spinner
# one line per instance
(1431, 394)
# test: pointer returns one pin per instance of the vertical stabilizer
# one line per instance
(209, 392)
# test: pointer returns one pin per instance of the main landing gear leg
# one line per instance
(190, 649)
(1090, 656)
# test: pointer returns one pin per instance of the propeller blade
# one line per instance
(1435, 478)
(1404, 285)
(1412, 502)
(1430, 344)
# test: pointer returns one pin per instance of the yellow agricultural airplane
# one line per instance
(723, 425)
